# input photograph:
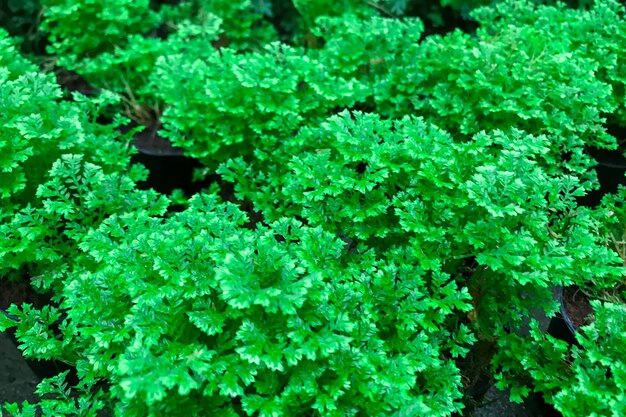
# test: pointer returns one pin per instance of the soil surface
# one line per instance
(18, 292)
(576, 308)
(496, 403)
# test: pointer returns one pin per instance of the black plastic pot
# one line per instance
(43, 368)
(565, 315)
(169, 168)
(564, 326)
(560, 330)
(8, 315)
(149, 142)
(611, 171)
(575, 298)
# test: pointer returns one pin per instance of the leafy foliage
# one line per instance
(216, 318)
(515, 77)
(278, 86)
(596, 34)
(597, 384)
(77, 197)
(243, 26)
(387, 183)
(410, 195)
(87, 27)
(59, 399)
(36, 128)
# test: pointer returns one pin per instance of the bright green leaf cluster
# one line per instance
(596, 34)
(213, 317)
(36, 128)
(88, 27)
(599, 371)
(412, 196)
(77, 197)
(280, 87)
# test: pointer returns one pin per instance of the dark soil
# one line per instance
(73, 82)
(576, 308)
(496, 403)
(18, 292)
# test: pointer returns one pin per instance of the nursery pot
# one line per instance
(149, 142)
(19, 292)
(611, 170)
(169, 168)
(43, 368)
(575, 310)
